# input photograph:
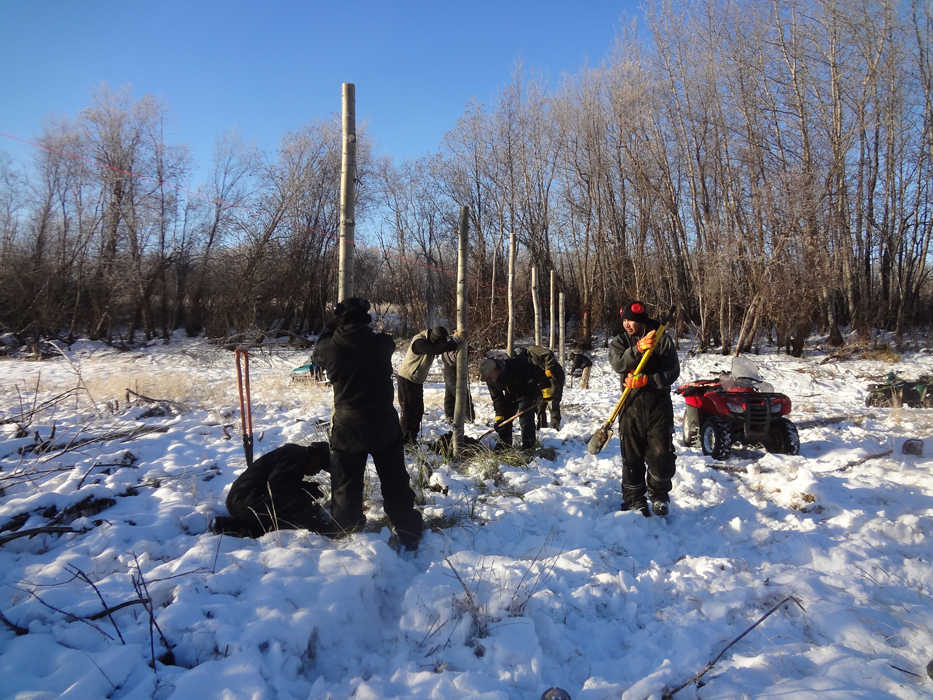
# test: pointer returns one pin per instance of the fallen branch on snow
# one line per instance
(58, 529)
(735, 469)
(122, 435)
(667, 694)
(142, 592)
(149, 399)
(87, 579)
(730, 468)
(856, 462)
(830, 420)
(20, 631)
(71, 617)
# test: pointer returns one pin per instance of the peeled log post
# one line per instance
(347, 195)
(462, 403)
(534, 303)
(510, 334)
(561, 354)
(550, 341)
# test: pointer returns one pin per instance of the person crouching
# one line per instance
(272, 494)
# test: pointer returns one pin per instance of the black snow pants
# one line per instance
(557, 393)
(646, 434)
(526, 421)
(346, 478)
(411, 408)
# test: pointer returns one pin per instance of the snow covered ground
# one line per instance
(532, 579)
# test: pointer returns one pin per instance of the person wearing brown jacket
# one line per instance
(413, 372)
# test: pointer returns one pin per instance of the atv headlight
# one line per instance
(736, 406)
(775, 407)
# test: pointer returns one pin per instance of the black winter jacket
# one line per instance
(358, 362)
(520, 379)
(662, 368)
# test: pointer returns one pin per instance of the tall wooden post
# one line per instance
(462, 402)
(534, 303)
(561, 354)
(550, 338)
(510, 333)
(347, 195)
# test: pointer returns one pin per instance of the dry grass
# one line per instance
(882, 352)
(877, 351)
(189, 389)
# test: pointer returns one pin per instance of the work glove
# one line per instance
(633, 382)
(547, 393)
(646, 343)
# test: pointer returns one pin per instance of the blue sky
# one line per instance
(265, 68)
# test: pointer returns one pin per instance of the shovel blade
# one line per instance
(598, 441)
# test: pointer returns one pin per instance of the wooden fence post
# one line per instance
(534, 303)
(347, 195)
(462, 403)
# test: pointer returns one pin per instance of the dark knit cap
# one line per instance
(438, 334)
(635, 311)
(353, 310)
(487, 368)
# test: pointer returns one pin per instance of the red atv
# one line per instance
(737, 407)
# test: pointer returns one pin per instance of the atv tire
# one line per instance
(716, 438)
(783, 438)
(691, 427)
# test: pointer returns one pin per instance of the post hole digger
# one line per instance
(246, 410)
(507, 421)
(602, 436)
(273, 492)
(444, 444)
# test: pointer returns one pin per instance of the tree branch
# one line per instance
(667, 694)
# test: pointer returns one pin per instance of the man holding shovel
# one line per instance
(646, 423)
(516, 387)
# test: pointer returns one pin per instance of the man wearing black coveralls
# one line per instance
(515, 385)
(546, 360)
(358, 362)
(646, 423)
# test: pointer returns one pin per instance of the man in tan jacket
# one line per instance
(413, 372)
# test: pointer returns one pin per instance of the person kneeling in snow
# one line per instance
(273, 495)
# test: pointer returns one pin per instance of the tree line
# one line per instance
(765, 167)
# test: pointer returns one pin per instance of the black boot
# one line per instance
(660, 503)
(633, 498)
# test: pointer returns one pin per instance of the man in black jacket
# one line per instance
(272, 493)
(545, 359)
(646, 423)
(358, 362)
(515, 386)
